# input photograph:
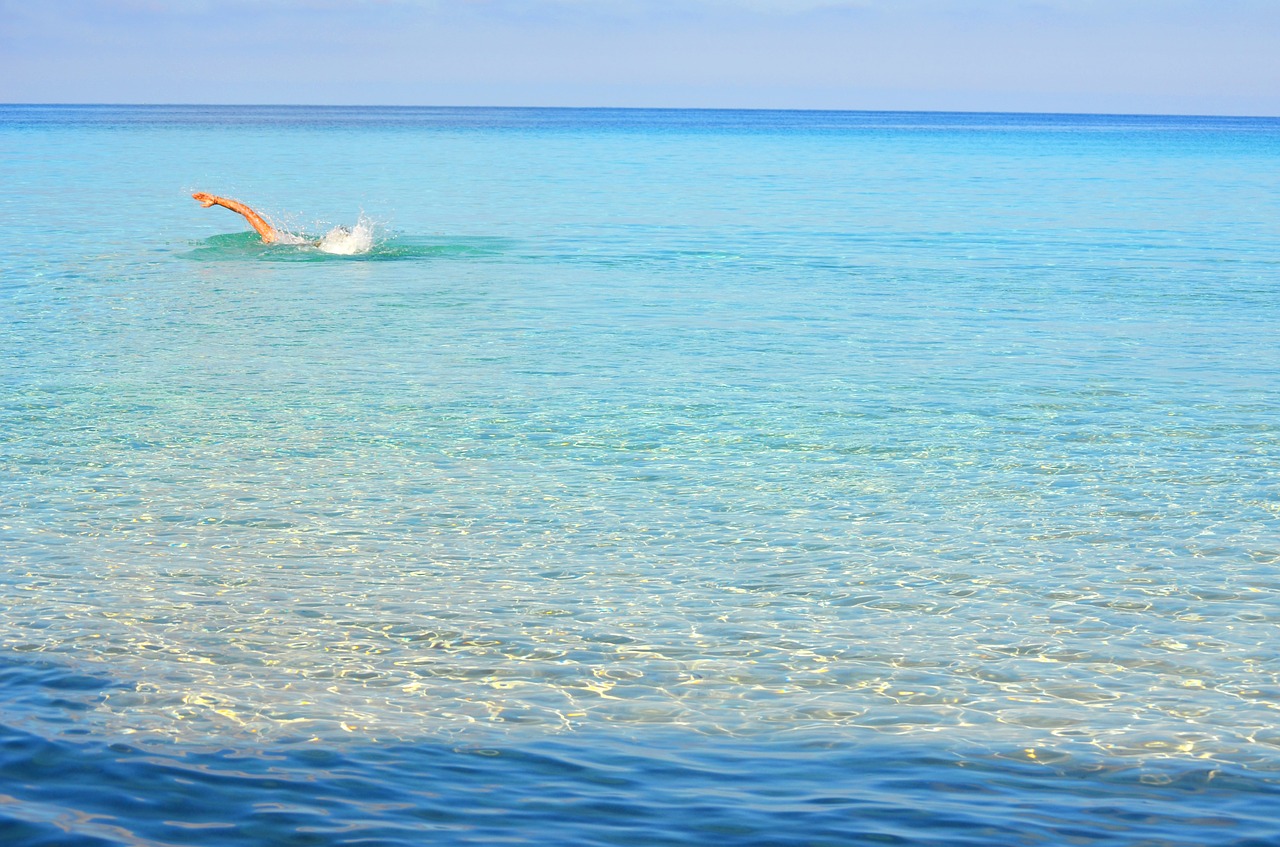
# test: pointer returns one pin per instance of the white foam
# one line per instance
(348, 242)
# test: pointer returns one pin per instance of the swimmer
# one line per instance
(264, 229)
(340, 240)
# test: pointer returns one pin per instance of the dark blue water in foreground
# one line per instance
(607, 791)
(645, 477)
(598, 788)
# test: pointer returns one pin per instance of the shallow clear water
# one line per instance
(657, 478)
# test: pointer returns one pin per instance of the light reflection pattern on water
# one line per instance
(956, 431)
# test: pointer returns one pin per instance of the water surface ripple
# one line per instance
(658, 478)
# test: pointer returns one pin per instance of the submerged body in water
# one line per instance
(340, 240)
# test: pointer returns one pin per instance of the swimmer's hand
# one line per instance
(264, 229)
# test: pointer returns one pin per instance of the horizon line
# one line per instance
(641, 109)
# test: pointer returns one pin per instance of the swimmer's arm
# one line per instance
(264, 229)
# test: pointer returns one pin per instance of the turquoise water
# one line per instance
(658, 477)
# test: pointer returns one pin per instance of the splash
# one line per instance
(289, 239)
(366, 241)
(339, 241)
(343, 241)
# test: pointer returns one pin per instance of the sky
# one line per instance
(1108, 56)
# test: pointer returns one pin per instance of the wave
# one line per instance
(667, 789)
(358, 243)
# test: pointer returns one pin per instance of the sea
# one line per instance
(638, 477)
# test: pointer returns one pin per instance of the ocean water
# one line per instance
(652, 478)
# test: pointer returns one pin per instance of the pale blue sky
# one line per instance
(1142, 56)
